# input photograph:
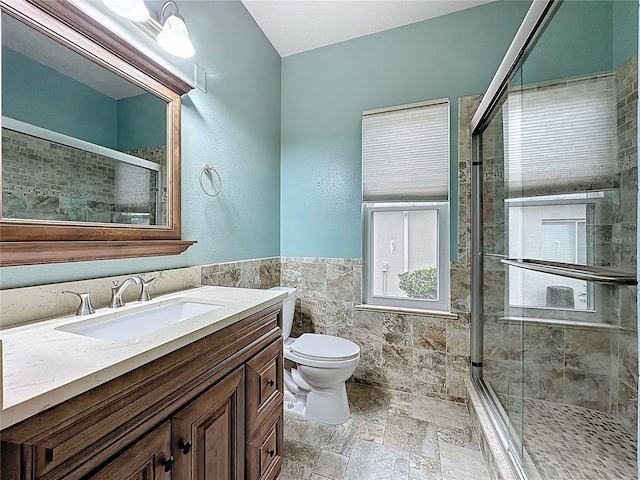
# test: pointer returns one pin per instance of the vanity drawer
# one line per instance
(265, 448)
(264, 384)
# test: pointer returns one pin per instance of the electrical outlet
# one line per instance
(385, 266)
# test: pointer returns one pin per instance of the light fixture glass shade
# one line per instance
(134, 10)
(174, 37)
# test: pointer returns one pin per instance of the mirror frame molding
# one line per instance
(30, 242)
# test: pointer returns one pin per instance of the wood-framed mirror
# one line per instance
(90, 141)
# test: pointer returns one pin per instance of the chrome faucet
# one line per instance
(117, 291)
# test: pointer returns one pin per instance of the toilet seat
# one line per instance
(326, 348)
(316, 350)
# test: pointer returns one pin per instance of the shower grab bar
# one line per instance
(602, 275)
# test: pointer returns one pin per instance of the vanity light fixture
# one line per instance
(174, 36)
(134, 10)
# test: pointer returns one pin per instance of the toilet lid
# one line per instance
(324, 347)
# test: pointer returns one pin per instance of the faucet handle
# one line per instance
(144, 293)
(85, 307)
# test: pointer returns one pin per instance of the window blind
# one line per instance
(405, 154)
(561, 136)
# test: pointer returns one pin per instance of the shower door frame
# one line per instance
(538, 17)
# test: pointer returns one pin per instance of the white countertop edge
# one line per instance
(164, 343)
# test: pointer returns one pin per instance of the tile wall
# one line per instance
(71, 184)
(259, 273)
(64, 183)
(625, 250)
(420, 354)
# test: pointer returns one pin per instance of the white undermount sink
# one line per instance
(135, 325)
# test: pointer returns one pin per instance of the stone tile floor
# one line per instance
(390, 435)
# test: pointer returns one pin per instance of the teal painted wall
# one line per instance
(577, 42)
(36, 94)
(324, 92)
(625, 31)
(141, 122)
(234, 127)
(39, 95)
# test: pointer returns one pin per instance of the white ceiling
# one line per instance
(294, 26)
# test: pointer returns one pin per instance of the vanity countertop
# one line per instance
(43, 366)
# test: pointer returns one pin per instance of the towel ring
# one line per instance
(207, 169)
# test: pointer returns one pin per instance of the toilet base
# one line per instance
(330, 406)
(296, 409)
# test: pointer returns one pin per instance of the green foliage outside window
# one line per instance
(420, 283)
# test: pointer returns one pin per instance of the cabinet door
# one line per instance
(208, 434)
(147, 459)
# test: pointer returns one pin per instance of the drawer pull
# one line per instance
(271, 382)
(186, 446)
(271, 453)
(168, 463)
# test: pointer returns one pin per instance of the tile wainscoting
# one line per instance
(422, 354)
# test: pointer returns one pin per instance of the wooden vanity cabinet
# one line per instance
(265, 431)
(207, 434)
(202, 412)
(145, 460)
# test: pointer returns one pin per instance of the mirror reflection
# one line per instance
(79, 143)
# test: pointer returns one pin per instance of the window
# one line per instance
(405, 178)
(550, 228)
(560, 164)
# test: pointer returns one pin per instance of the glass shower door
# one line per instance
(558, 204)
(502, 346)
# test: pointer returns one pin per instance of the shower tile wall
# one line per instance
(586, 366)
(157, 155)
(45, 180)
(49, 170)
(624, 243)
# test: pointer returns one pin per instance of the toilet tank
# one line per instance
(288, 309)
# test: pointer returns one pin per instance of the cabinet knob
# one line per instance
(271, 453)
(168, 463)
(186, 446)
(271, 382)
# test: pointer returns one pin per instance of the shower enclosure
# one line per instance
(555, 194)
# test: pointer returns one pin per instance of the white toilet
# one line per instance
(315, 385)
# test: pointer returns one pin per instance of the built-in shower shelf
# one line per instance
(602, 275)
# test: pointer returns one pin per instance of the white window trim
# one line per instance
(444, 301)
(595, 291)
